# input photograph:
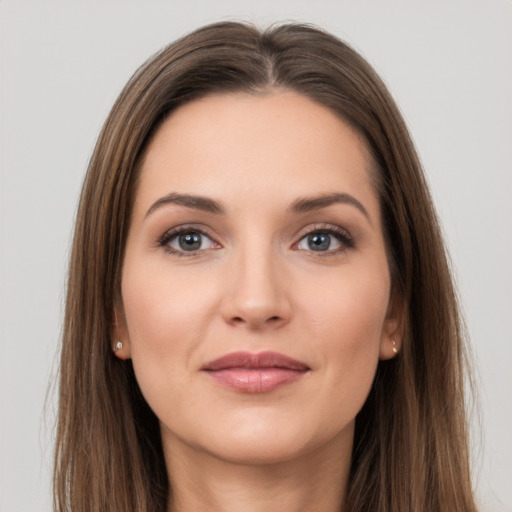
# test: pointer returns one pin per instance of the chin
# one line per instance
(258, 452)
(270, 444)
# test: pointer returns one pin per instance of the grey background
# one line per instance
(62, 64)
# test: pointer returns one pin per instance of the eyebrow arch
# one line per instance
(307, 204)
(301, 205)
(189, 201)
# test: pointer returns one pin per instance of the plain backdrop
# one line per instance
(62, 64)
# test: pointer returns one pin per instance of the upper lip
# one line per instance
(253, 361)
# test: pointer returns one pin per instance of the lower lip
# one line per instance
(255, 380)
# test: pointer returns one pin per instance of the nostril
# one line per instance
(270, 320)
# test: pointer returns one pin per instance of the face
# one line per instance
(255, 285)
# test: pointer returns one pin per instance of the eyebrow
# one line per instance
(189, 201)
(307, 204)
(301, 205)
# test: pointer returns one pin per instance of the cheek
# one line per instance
(349, 305)
(346, 323)
(167, 319)
(163, 306)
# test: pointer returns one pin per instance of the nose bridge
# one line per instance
(257, 294)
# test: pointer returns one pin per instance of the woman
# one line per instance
(260, 314)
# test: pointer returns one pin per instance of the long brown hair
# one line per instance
(410, 448)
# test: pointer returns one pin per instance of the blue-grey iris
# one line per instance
(319, 241)
(190, 241)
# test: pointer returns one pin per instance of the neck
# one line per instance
(314, 481)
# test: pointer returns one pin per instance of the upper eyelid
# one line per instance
(328, 227)
(188, 227)
(317, 226)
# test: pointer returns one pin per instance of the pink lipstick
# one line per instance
(255, 373)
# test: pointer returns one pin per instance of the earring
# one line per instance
(394, 349)
(118, 346)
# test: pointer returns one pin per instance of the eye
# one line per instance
(329, 240)
(187, 240)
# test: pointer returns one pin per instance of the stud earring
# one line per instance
(394, 349)
(118, 346)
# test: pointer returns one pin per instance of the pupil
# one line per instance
(319, 242)
(190, 241)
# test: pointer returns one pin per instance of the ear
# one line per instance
(393, 328)
(119, 333)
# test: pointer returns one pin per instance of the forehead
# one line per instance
(256, 145)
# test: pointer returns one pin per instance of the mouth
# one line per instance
(246, 372)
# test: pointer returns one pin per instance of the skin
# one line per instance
(256, 285)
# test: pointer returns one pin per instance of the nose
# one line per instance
(257, 293)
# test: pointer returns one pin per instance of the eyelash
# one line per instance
(168, 236)
(340, 234)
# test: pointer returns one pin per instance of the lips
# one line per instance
(255, 373)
